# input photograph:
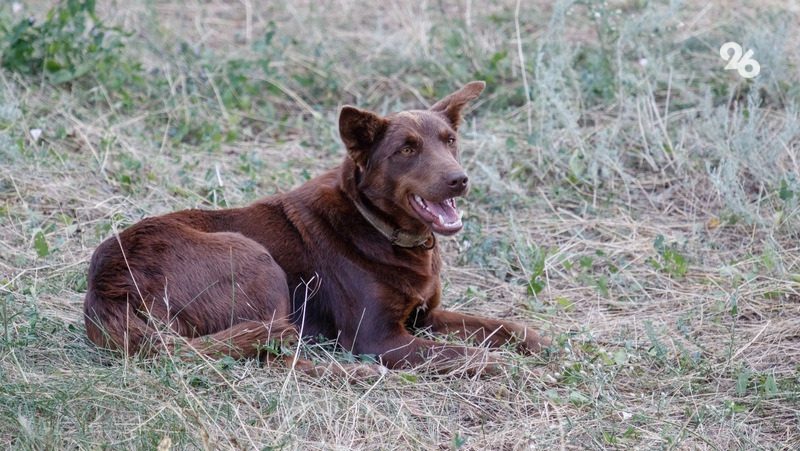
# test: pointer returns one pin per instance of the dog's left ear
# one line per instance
(452, 105)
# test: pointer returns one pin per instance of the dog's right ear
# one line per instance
(360, 131)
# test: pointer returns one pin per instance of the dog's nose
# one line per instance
(457, 181)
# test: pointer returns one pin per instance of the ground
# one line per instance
(630, 198)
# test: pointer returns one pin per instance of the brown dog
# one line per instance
(351, 255)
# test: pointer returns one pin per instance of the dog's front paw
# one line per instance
(533, 343)
(484, 363)
(362, 371)
(354, 372)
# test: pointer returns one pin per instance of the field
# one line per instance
(630, 198)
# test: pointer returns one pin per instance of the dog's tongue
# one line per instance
(443, 216)
(445, 212)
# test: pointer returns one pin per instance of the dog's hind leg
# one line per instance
(275, 342)
(272, 341)
(124, 330)
(248, 339)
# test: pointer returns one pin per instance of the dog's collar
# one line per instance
(396, 236)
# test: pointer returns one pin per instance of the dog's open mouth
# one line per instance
(443, 217)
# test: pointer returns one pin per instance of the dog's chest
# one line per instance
(417, 292)
(420, 288)
(396, 286)
(419, 297)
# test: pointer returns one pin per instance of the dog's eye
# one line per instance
(451, 141)
(408, 150)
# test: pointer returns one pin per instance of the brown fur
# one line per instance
(228, 282)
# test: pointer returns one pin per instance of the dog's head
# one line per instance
(407, 164)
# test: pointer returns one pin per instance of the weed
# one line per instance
(70, 45)
(670, 259)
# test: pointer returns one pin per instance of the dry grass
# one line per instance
(649, 221)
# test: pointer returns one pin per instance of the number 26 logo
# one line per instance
(745, 65)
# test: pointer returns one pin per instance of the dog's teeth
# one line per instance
(441, 219)
(453, 224)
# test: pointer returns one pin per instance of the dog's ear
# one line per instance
(360, 131)
(452, 105)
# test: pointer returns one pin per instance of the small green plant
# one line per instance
(458, 441)
(40, 244)
(669, 259)
(597, 271)
(70, 44)
(786, 191)
(536, 283)
(657, 348)
(742, 381)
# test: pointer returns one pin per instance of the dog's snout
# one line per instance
(457, 181)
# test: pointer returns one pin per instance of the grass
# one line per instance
(630, 198)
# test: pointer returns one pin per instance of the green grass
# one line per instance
(637, 202)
